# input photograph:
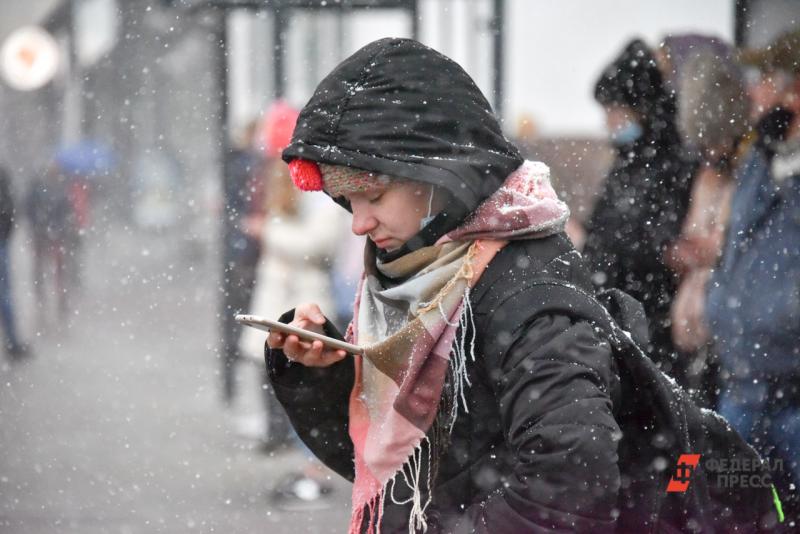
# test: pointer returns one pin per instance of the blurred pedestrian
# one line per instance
(753, 303)
(244, 201)
(79, 192)
(646, 193)
(54, 229)
(15, 349)
(300, 238)
(713, 118)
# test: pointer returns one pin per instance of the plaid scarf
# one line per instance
(412, 380)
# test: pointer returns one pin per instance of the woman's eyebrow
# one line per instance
(375, 189)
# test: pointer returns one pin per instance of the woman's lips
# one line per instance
(382, 243)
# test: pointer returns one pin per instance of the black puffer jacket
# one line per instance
(537, 450)
(646, 194)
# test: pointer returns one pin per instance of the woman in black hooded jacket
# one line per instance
(645, 198)
(522, 435)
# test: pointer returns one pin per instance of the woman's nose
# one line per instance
(363, 223)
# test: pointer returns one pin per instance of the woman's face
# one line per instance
(390, 214)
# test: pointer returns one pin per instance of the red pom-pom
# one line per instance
(305, 175)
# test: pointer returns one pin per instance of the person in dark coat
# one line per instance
(55, 231)
(646, 193)
(14, 348)
(466, 413)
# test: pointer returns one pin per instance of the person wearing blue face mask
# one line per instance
(627, 134)
(624, 128)
(645, 196)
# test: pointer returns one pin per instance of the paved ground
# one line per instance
(115, 426)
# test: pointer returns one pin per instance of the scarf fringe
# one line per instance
(420, 498)
(415, 467)
(461, 351)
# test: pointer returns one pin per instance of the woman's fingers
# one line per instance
(329, 357)
(294, 348)
(275, 340)
(313, 354)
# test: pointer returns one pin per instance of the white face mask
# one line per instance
(428, 218)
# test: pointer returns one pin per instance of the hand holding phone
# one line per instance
(302, 340)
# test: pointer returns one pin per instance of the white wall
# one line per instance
(557, 49)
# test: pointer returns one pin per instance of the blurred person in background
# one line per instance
(55, 231)
(300, 239)
(15, 349)
(646, 193)
(713, 118)
(753, 302)
(243, 197)
(79, 191)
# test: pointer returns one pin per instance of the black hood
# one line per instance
(400, 108)
(634, 80)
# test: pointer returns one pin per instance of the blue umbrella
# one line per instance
(86, 158)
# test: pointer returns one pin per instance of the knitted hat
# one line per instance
(336, 180)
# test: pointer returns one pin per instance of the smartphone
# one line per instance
(268, 325)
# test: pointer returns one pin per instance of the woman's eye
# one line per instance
(375, 198)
